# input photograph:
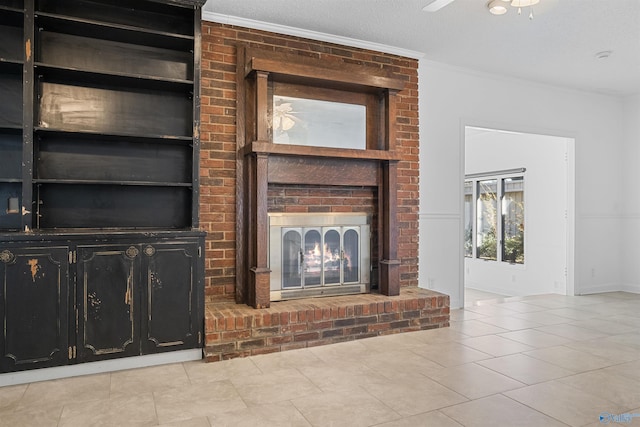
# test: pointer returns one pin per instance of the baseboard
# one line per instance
(600, 289)
(45, 374)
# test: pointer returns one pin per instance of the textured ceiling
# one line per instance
(557, 47)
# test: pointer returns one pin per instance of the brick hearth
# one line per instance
(237, 330)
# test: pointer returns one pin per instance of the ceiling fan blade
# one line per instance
(436, 5)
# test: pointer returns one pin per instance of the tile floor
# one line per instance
(535, 361)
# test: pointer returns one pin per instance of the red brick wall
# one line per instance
(218, 136)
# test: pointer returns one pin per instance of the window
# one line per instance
(494, 217)
(468, 218)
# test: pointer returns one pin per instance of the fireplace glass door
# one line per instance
(313, 255)
(320, 256)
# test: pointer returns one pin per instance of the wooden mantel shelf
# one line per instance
(262, 147)
(342, 76)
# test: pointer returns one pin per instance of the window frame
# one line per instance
(499, 177)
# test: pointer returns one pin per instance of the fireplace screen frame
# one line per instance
(323, 223)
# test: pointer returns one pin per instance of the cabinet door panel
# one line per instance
(34, 307)
(107, 298)
(171, 289)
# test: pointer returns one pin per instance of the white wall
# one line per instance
(451, 98)
(545, 193)
(631, 195)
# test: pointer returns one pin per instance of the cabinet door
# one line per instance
(171, 319)
(108, 302)
(34, 302)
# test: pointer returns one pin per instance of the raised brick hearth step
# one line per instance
(237, 330)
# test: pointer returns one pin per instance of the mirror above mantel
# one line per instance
(345, 136)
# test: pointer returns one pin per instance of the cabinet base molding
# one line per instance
(45, 374)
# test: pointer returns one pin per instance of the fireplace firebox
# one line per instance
(319, 254)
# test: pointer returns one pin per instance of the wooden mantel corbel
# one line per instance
(260, 162)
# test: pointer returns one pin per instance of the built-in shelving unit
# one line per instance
(98, 135)
(11, 92)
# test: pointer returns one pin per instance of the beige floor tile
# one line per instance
(398, 362)
(192, 422)
(498, 411)
(67, 390)
(631, 340)
(568, 358)
(450, 353)
(563, 402)
(496, 345)
(476, 328)
(490, 310)
(10, 395)
(543, 317)
(622, 390)
(474, 381)
(352, 409)
(574, 313)
(202, 372)
(615, 352)
(131, 410)
(343, 375)
(271, 415)
(510, 323)
(461, 314)
(572, 332)
(414, 394)
(522, 307)
(535, 338)
(605, 326)
(37, 415)
(629, 370)
(285, 360)
(430, 419)
(626, 319)
(440, 335)
(350, 350)
(274, 387)
(525, 369)
(391, 342)
(144, 380)
(200, 400)
(549, 302)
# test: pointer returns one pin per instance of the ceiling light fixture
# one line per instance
(498, 7)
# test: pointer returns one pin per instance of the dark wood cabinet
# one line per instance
(34, 307)
(109, 313)
(67, 300)
(99, 179)
(171, 291)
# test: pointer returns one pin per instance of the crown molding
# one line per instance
(308, 34)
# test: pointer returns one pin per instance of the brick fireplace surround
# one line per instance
(235, 329)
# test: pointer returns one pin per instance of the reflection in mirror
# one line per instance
(316, 123)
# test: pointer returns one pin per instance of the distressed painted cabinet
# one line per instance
(34, 307)
(99, 180)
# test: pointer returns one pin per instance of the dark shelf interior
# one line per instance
(10, 154)
(105, 56)
(11, 99)
(100, 108)
(12, 4)
(11, 35)
(10, 195)
(147, 15)
(82, 157)
(113, 206)
(112, 32)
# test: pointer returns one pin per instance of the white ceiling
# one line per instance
(557, 47)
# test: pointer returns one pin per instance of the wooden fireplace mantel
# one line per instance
(260, 162)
